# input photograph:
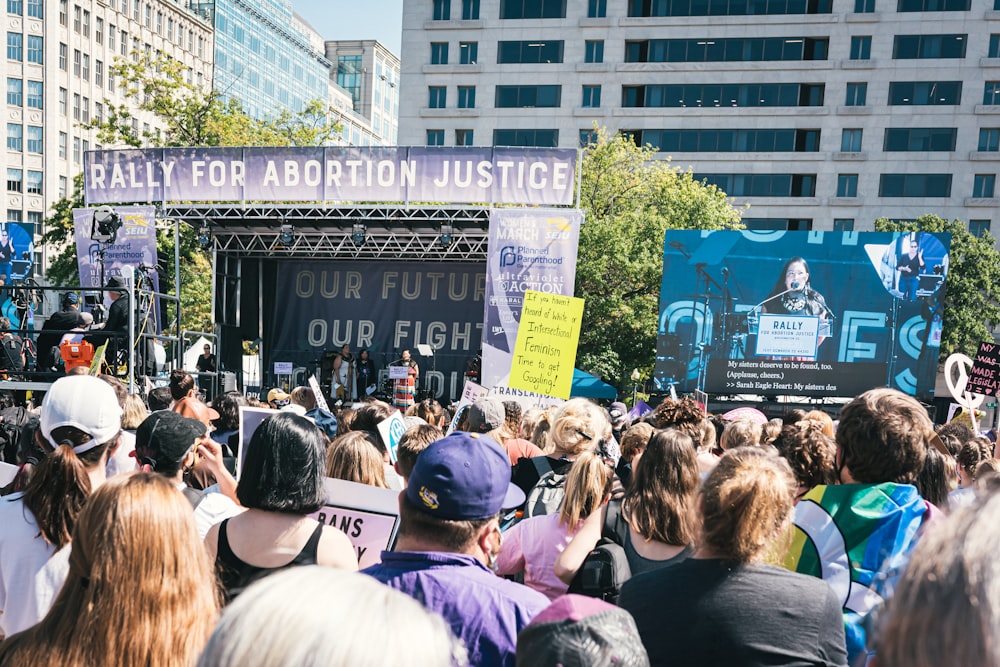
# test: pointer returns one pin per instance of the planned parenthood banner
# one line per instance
(459, 174)
(528, 250)
(801, 313)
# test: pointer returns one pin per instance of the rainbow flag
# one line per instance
(847, 535)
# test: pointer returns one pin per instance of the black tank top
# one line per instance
(235, 575)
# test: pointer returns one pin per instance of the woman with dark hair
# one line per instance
(227, 426)
(79, 430)
(658, 509)
(364, 370)
(281, 483)
(724, 605)
(140, 589)
(793, 295)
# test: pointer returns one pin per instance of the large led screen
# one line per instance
(801, 313)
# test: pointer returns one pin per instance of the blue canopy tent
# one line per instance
(586, 385)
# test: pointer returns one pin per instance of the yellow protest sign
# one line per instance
(545, 350)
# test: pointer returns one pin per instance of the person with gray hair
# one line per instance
(314, 616)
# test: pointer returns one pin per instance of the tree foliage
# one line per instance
(629, 200)
(191, 116)
(972, 300)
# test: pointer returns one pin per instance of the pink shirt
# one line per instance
(532, 546)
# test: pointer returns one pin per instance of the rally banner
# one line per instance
(384, 308)
(135, 246)
(801, 313)
(454, 174)
(528, 250)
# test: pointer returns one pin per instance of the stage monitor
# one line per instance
(801, 313)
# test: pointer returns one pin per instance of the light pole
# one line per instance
(635, 384)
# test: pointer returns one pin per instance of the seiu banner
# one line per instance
(384, 307)
(528, 250)
(801, 313)
(459, 174)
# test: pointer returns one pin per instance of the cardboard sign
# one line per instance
(471, 393)
(368, 515)
(984, 378)
(318, 393)
(545, 351)
(787, 335)
(391, 429)
(283, 367)
(250, 419)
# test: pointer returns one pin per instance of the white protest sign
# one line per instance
(471, 392)
(391, 429)
(7, 473)
(368, 515)
(250, 419)
(283, 367)
(318, 392)
(956, 375)
(787, 335)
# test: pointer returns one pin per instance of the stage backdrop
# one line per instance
(383, 306)
(863, 321)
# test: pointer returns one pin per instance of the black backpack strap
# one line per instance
(615, 527)
(541, 464)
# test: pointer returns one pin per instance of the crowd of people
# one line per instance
(126, 539)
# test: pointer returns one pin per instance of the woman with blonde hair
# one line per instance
(134, 412)
(724, 605)
(140, 589)
(532, 545)
(578, 426)
(355, 457)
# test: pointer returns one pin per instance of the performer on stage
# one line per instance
(794, 295)
(404, 393)
(910, 266)
(343, 374)
(365, 373)
(207, 366)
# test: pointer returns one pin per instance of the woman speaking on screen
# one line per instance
(793, 295)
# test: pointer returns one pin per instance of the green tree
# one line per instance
(190, 116)
(629, 200)
(972, 299)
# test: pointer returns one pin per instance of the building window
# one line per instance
(468, 53)
(850, 140)
(904, 93)
(864, 6)
(63, 187)
(14, 137)
(847, 185)
(591, 97)
(15, 92)
(533, 52)
(33, 184)
(86, 23)
(435, 137)
(470, 12)
(77, 13)
(933, 5)
(63, 97)
(63, 139)
(857, 94)
(442, 12)
(593, 51)
(772, 140)
(762, 185)
(76, 106)
(991, 92)
(64, 12)
(984, 185)
(843, 224)
(724, 95)
(539, 138)
(14, 7)
(532, 9)
(35, 95)
(989, 139)
(914, 185)
(77, 59)
(651, 8)
(437, 97)
(463, 138)
(98, 73)
(466, 97)
(15, 180)
(979, 228)
(439, 53)
(920, 139)
(99, 31)
(34, 139)
(15, 42)
(86, 67)
(861, 48)
(588, 137)
(597, 8)
(733, 49)
(994, 51)
(908, 47)
(519, 97)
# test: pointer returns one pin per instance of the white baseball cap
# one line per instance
(84, 402)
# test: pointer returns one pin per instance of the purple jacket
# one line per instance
(485, 611)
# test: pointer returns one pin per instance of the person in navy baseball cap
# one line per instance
(463, 477)
(449, 537)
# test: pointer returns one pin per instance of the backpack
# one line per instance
(13, 421)
(10, 357)
(547, 494)
(606, 567)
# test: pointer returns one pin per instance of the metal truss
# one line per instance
(390, 232)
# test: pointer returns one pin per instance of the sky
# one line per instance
(355, 19)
